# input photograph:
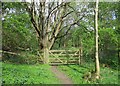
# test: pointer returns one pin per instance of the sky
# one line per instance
(64, 0)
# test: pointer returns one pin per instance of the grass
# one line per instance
(76, 72)
(21, 73)
(27, 74)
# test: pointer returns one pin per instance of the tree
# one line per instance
(17, 30)
(97, 66)
(108, 24)
(108, 44)
(49, 19)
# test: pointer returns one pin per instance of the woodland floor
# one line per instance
(61, 76)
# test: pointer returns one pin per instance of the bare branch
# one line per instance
(67, 14)
(31, 14)
(75, 23)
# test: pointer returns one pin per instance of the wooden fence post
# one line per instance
(79, 57)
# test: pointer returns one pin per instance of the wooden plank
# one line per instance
(13, 53)
(41, 58)
(53, 60)
(60, 60)
(64, 54)
(61, 63)
(64, 58)
(76, 52)
(62, 51)
(56, 60)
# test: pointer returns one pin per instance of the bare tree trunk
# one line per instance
(46, 55)
(46, 50)
(97, 66)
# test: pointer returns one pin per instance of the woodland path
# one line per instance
(61, 76)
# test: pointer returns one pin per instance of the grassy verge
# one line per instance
(76, 72)
(27, 74)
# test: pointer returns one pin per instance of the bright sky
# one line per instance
(63, 0)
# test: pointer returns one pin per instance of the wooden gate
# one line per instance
(64, 57)
(58, 56)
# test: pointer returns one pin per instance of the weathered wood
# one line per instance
(79, 58)
(60, 58)
(63, 51)
(13, 53)
(61, 63)
(64, 56)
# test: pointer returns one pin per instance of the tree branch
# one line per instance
(31, 14)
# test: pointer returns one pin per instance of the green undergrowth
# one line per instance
(24, 57)
(27, 74)
(76, 73)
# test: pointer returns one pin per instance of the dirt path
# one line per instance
(61, 76)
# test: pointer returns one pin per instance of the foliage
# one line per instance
(23, 57)
(17, 31)
(108, 14)
(76, 72)
(27, 74)
(108, 44)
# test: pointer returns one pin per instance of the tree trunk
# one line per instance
(46, 49)
(46, 55)
(97, 66)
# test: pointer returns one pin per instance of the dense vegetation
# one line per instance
(27, 74)
(77, 73)
(22, 45)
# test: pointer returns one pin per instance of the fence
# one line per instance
(58, 56)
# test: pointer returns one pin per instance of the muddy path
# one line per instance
(61, 76)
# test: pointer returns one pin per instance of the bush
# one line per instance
(23, 58)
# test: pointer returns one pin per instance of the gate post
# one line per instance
(79, 57)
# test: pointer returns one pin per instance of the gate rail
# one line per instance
(64, 57)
